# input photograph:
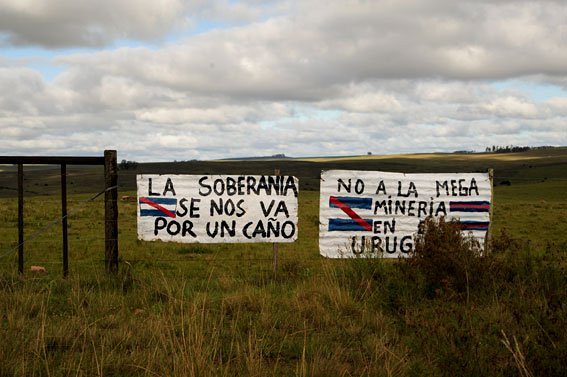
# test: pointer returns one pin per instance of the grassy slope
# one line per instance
(518, 168)
(218, 309)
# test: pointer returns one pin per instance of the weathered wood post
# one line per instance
(20, 218)
(275, 244)
(488, 238)
(111, 211)
(64, 219)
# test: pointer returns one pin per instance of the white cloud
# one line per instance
(222, 115)
(61, 23)
(511, 107)
(364, 102)
(300, 78)
(72, 23)
(306, 54)
(558, 106)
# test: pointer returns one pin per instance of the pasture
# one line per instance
(214, 310)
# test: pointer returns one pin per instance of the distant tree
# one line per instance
(508, 149)
(369, 153)
(126, 165)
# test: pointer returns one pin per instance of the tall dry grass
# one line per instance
(447, 312)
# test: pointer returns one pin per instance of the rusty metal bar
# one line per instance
(51, 160)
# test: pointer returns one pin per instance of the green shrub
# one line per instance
(451, 262)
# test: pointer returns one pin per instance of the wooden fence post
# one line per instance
(488, 238)
(275, 245)
(111, 211)
(64, 220)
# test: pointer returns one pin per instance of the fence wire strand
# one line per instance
(53, 223)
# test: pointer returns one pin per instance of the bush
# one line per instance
(449, 260)
(504, 242)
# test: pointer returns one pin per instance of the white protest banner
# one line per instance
(217, 208)
(373, 213)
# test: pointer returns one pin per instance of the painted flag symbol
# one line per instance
(473, 225)
(482, 206)
(158, 206)
(355, 222)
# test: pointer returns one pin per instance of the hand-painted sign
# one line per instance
(215, 208)
(372, 213)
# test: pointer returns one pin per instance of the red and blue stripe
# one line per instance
(473, 225)
(350, 201)
(158, 207)
(479, 206)
(355, 223)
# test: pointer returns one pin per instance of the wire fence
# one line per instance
(51, 224)
(44, 244)
(44, 220)
(84, 213)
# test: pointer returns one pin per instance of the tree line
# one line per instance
(514, 148)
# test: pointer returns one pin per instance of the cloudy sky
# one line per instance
(161, 80)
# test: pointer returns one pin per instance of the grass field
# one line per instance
(210, 310)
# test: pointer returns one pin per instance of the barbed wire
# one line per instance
(53, 223)
(71, 241)
(178, 260)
